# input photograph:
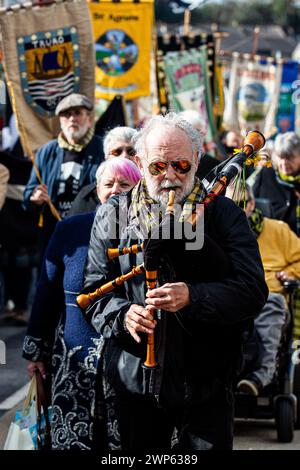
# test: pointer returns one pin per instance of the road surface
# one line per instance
(249, 435)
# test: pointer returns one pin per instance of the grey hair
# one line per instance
(287, 144)
(169, 120)
(118, 133)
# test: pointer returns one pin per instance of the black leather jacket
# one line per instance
(204, 339)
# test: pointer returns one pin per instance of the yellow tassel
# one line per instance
(41, 220)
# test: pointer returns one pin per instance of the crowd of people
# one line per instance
(97, 196)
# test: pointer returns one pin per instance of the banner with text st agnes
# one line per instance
(123, 40)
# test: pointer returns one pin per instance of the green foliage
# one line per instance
(254, 13)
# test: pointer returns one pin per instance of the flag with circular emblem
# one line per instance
(47, 55)
(123, 43)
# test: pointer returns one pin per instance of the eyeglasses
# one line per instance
(160, 168)
(118, 151)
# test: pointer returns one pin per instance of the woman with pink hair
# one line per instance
(59, 342)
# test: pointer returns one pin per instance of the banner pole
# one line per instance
(25, 142)
(186, 22)
(255, 40)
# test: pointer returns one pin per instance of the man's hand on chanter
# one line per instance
(169, 297)
(139, 319)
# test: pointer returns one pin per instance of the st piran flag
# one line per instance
(115, 115)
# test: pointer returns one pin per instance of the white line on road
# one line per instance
(15, 398)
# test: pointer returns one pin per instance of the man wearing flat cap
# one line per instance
(66, 164)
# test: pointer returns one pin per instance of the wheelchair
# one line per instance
(279, 400)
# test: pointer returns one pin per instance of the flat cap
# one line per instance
(75, 100)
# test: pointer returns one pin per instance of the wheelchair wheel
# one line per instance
(296, 391)
(284, 420)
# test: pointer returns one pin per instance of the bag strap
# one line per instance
(41, 401)
(30, 395)
(41, 398)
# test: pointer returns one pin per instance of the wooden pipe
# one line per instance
(151, 281)
(84, 300)
(253, 142)
(150, 362)
(116, 252)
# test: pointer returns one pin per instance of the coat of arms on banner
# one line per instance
(116, 52)
(49, 67)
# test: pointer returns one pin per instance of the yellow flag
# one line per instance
(123, 38)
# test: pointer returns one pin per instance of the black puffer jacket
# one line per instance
(283, 199)
(204, 339)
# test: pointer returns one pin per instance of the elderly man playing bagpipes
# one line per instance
(173, 310)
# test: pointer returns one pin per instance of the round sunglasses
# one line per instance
(161, 167)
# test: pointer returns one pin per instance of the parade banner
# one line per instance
(188, 87)
(48, 54)
(253, 95)
(286, 114)
(123, 41)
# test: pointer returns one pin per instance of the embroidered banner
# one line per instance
(123, 41)
(48, 54)
(253, 94)
(189, 88)
(286, 114)
(49, 66)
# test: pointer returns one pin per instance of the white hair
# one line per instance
(118, 133)
(287, 144)
(194, 118)
(170, 120)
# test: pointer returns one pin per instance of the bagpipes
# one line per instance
(153, 247)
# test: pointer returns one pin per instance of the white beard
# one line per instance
(75, 135)
(181, 189)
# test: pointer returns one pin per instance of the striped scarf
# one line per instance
(292, 181)
(149, 212)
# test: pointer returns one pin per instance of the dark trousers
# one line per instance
(145, 427)
(206, 423)
(208, 419)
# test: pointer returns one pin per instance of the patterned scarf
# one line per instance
(256, 222)
(147, 214)
(78, 147)
(292, 182)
